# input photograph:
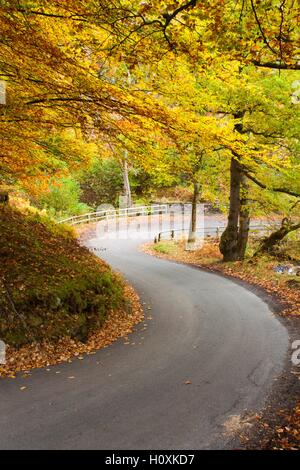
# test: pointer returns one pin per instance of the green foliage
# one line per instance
(167, 248)
(63, 198)
(103, 183)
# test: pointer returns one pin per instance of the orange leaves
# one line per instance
(54, 82)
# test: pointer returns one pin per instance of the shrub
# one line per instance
(63, 198)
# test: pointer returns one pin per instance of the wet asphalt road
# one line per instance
(208, 350)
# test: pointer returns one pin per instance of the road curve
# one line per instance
(210, 349)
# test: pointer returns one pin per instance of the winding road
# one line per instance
(208, 350)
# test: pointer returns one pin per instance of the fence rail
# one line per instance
(155, 209)
(211, 232)
(116, 213)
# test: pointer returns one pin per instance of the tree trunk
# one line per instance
(244, 219)
(230, 237)
(275, 238)
(4, 197)
(193, 226)
(127, 189)
(234, 240)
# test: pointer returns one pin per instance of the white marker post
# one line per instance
(2, 352)
(2, 92)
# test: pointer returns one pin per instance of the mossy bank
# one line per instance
(50, 286)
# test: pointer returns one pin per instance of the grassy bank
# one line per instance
(50, 286)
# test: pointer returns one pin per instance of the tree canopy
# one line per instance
(185, 88)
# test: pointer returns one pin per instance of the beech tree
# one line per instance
(186, 87)
(248, 116)
(261, 105)
(54, 64)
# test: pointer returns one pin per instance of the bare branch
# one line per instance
(261, 29)
(275, 190)
(277, 65)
